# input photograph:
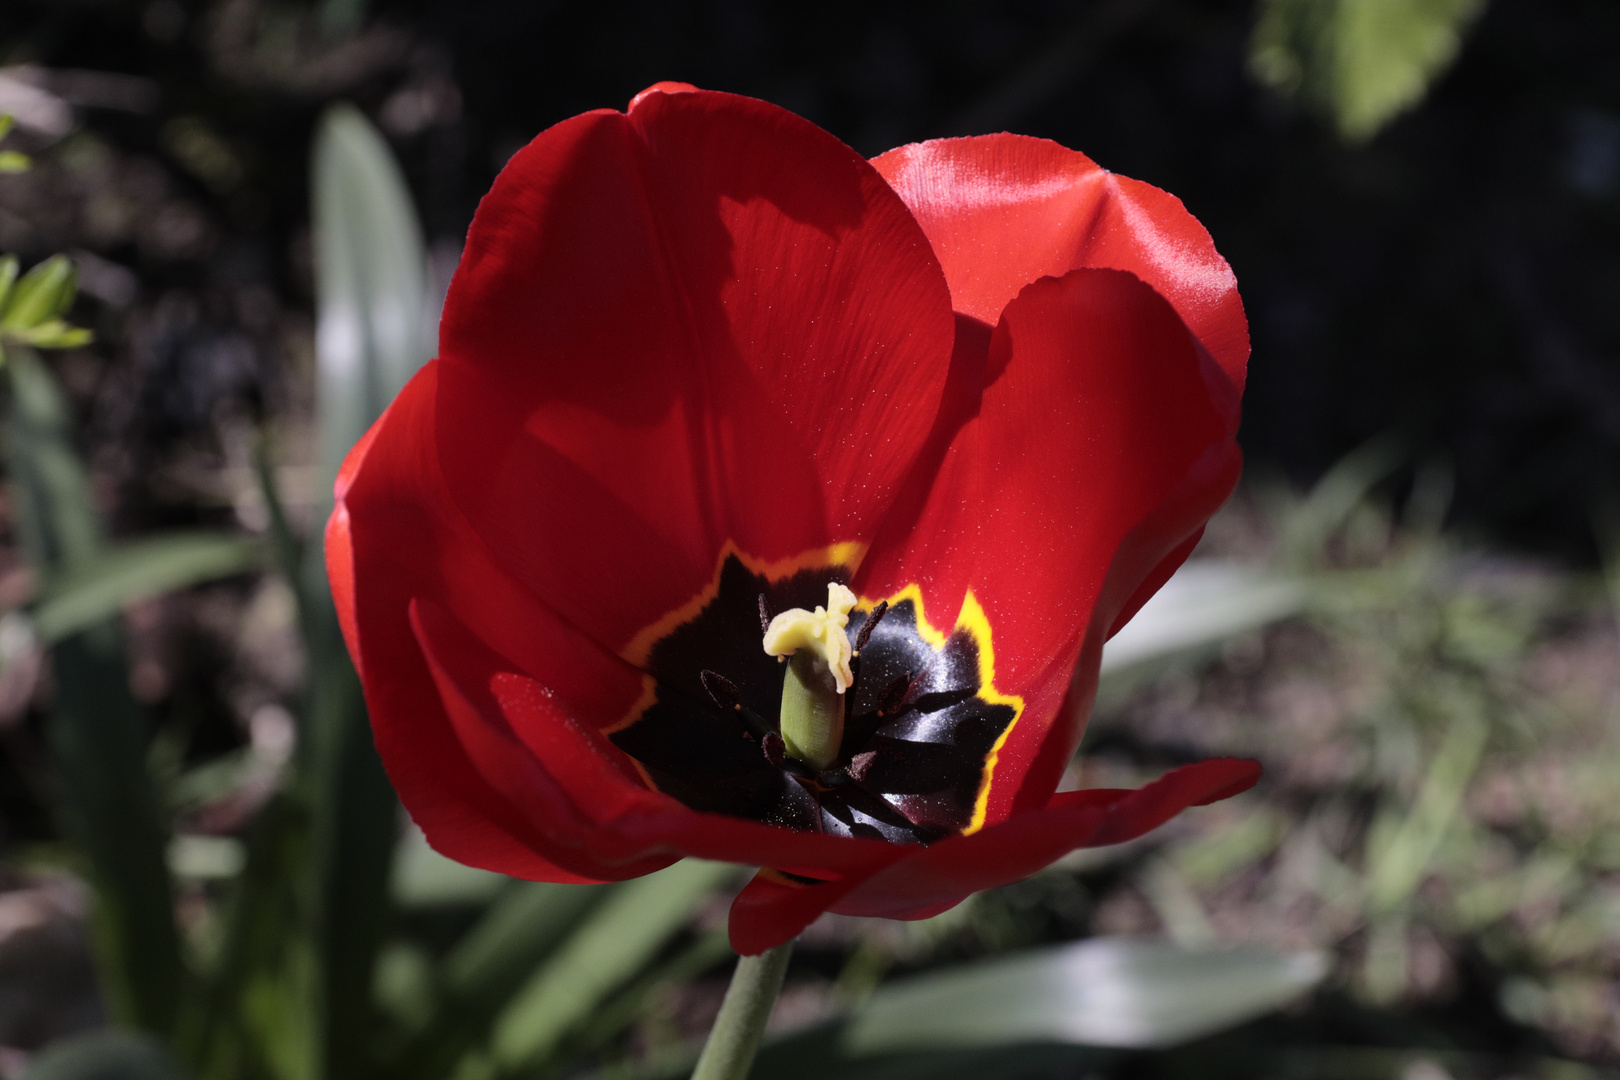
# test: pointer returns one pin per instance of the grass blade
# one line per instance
(491, 964)
(370, 278)
(620, 938)
(370, 286)
(1204, 603)
(123, 573)
(1110, 992)
(104, 1055)
(96, 733)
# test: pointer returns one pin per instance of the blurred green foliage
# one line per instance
(1360, 63)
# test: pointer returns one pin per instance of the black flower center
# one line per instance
(920, 732)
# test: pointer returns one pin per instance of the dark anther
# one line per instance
(943, 699)
(764, 615)
(890, 697)
(869, 625)
(728, 697)
(775, 749)
(876, 806)
(721, 689)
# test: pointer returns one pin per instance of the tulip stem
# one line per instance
(734, 1039)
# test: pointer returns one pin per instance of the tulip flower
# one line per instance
(771, 505)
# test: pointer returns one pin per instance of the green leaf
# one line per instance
(256, 999)
(104, 1055)
(370, 296)
(1205, 603)
(13, 162)
(8, 278)
(355, 819)
(56, 515)
(631, 1004)
(96, 732)
(1336, 497)
(1110, 992)
(488, 966)
(370, 282)
(43, 294)
(1404, 840)
(55, 334)
(814, 1055)
(121, 574)
(621, 937)
(1360, 62)
(7, 122)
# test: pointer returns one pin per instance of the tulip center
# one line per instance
(856, 718)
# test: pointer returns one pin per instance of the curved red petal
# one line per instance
(946, 873)
(339, 545)
(470, 681)
(1103, 441)
(771, 911)
(1034, 759)
(398, 537)
(704, 320)
(665, 87)
(1004, 210)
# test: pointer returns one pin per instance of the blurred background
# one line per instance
(1408, 613)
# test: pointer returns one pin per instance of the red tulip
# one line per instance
(699, 362)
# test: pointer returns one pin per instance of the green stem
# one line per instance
(734, 1039)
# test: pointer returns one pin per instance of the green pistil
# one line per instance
(812, 711)
(818, 673)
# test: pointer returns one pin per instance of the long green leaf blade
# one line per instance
(620, 937)
(56, 516)
(96, 733)
(370, 280)
(104, 1055)
(1206, 602)
(123, 573)
(370, 269)
(488, 966)
(1110, 992)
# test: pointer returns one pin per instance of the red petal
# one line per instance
(945, 874)
(704, 320)
(770, 911)
(665, 87)
(1004, 210)
(339, 549)
(927, 881)
(556, 803)
(398, 537)
(1103, 441)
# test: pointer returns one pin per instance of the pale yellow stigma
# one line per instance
(820, 632)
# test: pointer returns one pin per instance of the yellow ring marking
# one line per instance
(846, 556)
(976, 623)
